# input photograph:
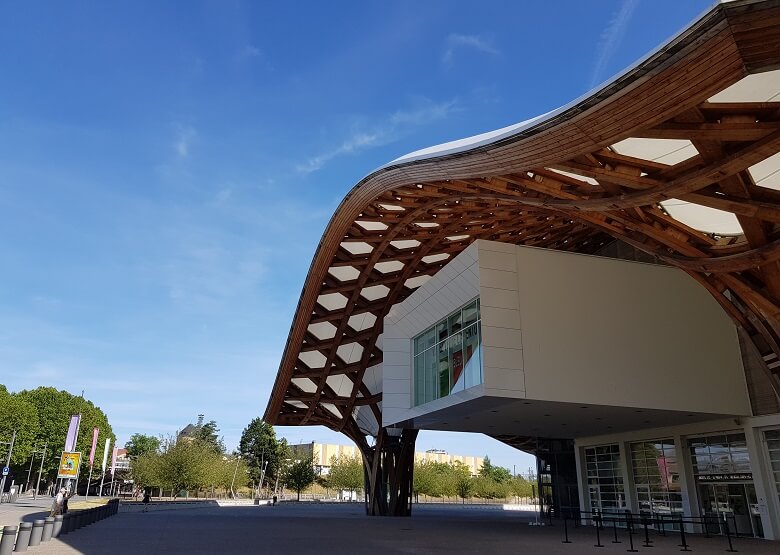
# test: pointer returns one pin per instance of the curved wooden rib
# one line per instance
(389, 227)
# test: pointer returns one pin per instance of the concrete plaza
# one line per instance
(344, 528)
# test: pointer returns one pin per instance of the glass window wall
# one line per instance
(605, 479)
(448, 355)
(656, 477)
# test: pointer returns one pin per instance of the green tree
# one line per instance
(208, 434)
(54, 410)
(140, 444)
(346, 473)
(184, 466)
(496, 473)
(259, 447)
(300, 475)
(17, 414)
(464, 487)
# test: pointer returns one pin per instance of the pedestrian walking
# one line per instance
(58, 505)
(147, 500)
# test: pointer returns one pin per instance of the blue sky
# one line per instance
(167, 170)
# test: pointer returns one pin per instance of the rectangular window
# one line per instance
(448, 355)
(773, 446)
(656, 477)
(605, 480)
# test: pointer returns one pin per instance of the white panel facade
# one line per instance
(452, 287)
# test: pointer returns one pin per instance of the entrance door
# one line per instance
(731, 502)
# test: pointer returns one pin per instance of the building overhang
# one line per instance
(575, 179)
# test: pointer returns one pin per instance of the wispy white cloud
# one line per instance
(610, 39)
(185, 135)
(455, 41)
(382, 132)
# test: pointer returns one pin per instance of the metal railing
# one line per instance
(644, 523)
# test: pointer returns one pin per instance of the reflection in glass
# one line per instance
(448, 355)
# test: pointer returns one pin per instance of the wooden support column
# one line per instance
(389, 468)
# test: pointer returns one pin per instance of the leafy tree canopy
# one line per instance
(140, 444)
(346, 473)
(259, 447)
(300, 475)
(53, 409)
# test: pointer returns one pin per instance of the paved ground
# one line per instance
(26, 509)
(339, 529)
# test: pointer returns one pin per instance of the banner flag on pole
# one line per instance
(105, 452)
(94, 446)
(113, 461)
(73, 432)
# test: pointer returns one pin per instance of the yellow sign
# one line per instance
(69, 465)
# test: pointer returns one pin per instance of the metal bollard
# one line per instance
(23, 537)
(648, 542)
(728, 534)
(57, 526)
(614, 530)
(37, 533)
(565, 531)
(67, 522)
(631, 540)
(7, 540)
(598, 528)
(683, 541)
(48, 528)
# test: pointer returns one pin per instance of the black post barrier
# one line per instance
(728, 534)
(684, 542)
(23, 538)
(598, 529)
(57, 526)
(614, 529)
(7, 540)
(647, 543)
(565, 530)
(631, 540)
(736, 528)
(48, 528)
(660, 524)
(37, 533)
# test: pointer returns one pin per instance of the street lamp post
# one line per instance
(233, 493)
(40, 471)
(7, 463)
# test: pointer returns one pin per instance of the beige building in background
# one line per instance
(322, 454)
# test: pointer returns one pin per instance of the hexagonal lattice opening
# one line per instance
(457, 237)
(426, 224)
(360, 322)
(372, 226)
(405, 244)
(313, 359)
(332, 301)
(341, 385)
(350, 352)
(392, 207)
(375, 292)
(389, 266)
(344, 273)
(330, 407)
(416, 281)
(356, 247)
(322, 330)
(304, 384)
(433, 258)
(297, 404)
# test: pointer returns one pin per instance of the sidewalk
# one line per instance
(26, 509)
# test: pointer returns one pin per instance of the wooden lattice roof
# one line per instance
(575, 180)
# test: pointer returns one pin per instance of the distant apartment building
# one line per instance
(323, 453)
